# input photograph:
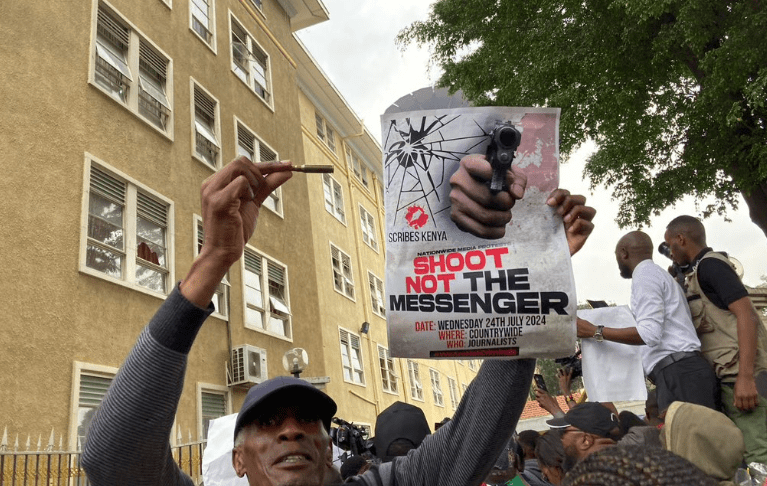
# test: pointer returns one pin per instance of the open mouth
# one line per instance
(294, 459)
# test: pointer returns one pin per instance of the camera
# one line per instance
(676, 271)
(572, 363)
(349, 437)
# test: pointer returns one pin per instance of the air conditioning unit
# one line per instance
(248, 365)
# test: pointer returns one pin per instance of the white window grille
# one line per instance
(249, 62)
(351, 357)
(358, 167)
(334, 198)
(207, 146)
(368, 225)
(377, 295)
(436, 388)
(201, 19)
(249, 145)
(140, 82)
(325, 132)
(127, 232)
(343, 278)
(453, 386)
(212, 406)
(416, 389)
(267, 307)
(389, 379)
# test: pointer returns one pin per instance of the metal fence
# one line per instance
(48, 466)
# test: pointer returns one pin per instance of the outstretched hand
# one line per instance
(476, 210)
(576, 216)
(231, 199)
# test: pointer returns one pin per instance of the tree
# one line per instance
(672, 91)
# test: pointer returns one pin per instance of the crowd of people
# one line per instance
(281, 435)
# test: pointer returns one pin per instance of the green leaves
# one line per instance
(673, 91)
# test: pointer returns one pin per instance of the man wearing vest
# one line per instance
(732, 336)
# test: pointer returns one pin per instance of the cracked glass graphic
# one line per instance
(420, 156)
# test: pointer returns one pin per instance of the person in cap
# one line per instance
(282, 436)
(585, 429)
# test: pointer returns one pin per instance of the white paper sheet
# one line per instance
(612, 372)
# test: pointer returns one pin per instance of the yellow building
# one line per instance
(114, 112)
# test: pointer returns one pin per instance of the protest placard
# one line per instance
(451, 294)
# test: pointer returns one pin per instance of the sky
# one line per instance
(356, 49)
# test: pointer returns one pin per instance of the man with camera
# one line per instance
(671, 358)
(732, 337)
(281, 433)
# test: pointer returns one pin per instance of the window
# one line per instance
(436, 387)
(368, 225)
(465, 387)
(473, 364)
(213, 402)
(221, 297)
(351, 357)
(358, 166)
(376, 295)
(202, 19)
(388, 372)
(249, 62)
(139, 82)
(257, 4)
(127, 231)
(206, 127)
(453, 392)
(91, 383)
(253, 148)
(334, 198)
(343, 280)
(325, 132)
(267, 307)
(416, 389)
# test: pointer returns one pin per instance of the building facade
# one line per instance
(115, 113)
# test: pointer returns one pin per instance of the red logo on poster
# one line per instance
(416, 217)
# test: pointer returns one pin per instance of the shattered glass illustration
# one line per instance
(420, 155)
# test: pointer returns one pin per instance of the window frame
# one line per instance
(253, 47)
(214, 135)
(340, 272)
(141, 95)
(378, 308)
(129, 226)
(358, 167)
(211, 389)
(436, 388)
(353, 372)
(211, 28)
(274, 202)
(414, 375)
(80, 368)
(224, 288)
(387, 366)
(368, 227)
(333, 195)
(266, 296)
(325, 132)
(452, 385)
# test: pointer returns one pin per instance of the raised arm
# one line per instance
(128, 439)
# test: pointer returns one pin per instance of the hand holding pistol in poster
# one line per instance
(464, 278)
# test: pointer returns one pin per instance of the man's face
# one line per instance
(572, 441)
(285, 446)
(678, 253)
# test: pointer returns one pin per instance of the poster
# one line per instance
(450, 294)
(623, 380)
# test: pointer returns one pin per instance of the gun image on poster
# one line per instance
(504, 140)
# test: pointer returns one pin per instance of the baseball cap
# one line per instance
(591, 417)
(293, 391)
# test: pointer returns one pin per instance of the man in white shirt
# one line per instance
(671, 353)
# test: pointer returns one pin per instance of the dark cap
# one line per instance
(294, 391)
(399, 422)
(591, 417)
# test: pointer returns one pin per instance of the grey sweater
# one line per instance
(128, 440)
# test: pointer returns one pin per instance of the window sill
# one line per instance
(95, 273)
